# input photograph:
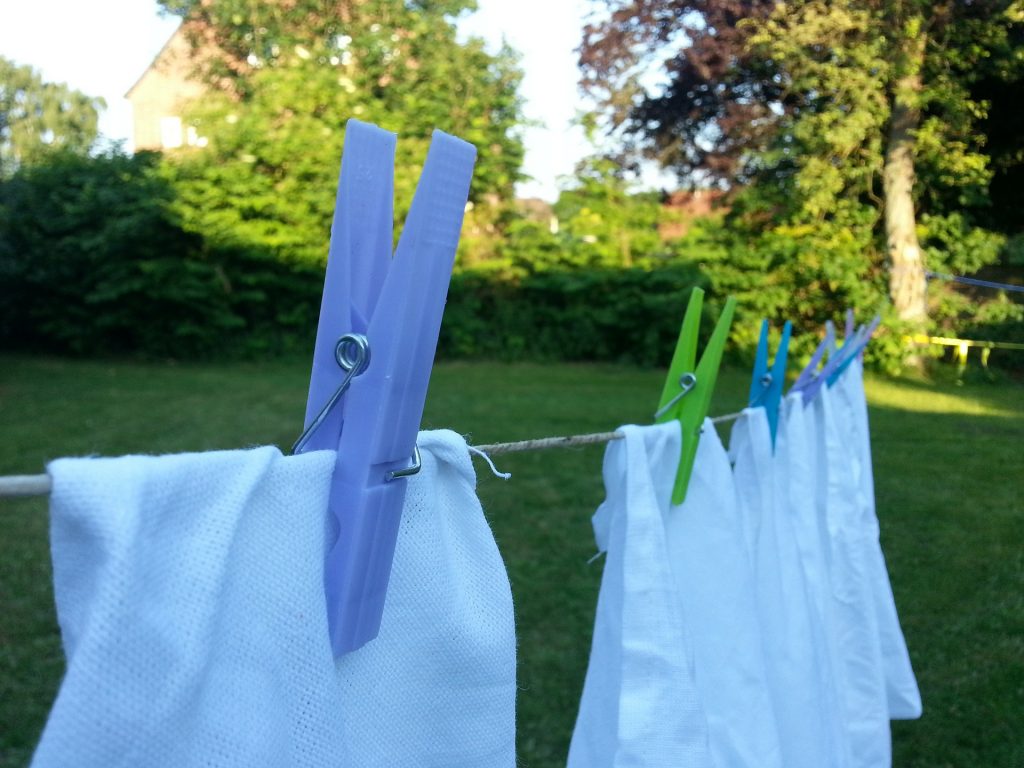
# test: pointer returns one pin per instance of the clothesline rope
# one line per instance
(567, 441)
(25, 485)
(974, 281)
(40, 485)
(571, 441)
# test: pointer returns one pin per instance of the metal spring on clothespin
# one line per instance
(765, 382)
(686, 382)
(352, 353)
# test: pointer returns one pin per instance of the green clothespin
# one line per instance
(687, 392)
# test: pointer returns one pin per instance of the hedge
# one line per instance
(625, 315)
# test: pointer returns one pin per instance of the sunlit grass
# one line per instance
(948, 468)
(924, 398)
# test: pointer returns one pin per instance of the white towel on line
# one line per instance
(902, 693)
(863, 690)
(795, 646)
(796, 487)
(190, 598)
(715, 584)
(801, 469)
(640, 707)
(797, 448)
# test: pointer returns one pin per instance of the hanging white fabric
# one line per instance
(795, 646)
(801, 467)
(715, 584)
(862, 690)
(640, 707)
(191, 604)
(797, 462)
(797, 451)
(902, 693)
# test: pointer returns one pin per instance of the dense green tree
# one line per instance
(37, 117)
(617, 227)
(93, 261)
(285, 77)
(885, 93)
(1000, 86)
(848, 130)
(598, 221)
(78, 235)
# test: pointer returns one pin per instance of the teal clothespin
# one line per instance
(687, 392)
(766, 385)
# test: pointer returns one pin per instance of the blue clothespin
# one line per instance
(379, 322)
(848, 331)
(766, 385)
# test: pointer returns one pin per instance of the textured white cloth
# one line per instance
(797, 450)
(190, 598)
(855, 618)
(799, 468)
(715, 583)
(795, 646)
(902, 693)
(640, 707)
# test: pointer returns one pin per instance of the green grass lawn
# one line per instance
(948, 468)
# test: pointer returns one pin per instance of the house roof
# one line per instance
(152, 65)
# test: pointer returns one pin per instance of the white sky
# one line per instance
(101, 48)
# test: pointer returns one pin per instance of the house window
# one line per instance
(193, 139)
(170, 132)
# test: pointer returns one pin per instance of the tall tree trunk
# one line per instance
(906, 268)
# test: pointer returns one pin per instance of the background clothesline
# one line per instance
(40, 485)
(974, 281)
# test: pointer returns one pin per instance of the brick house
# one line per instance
(683, 206)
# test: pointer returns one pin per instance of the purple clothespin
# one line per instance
(838, 362)
(857, 350)
(824, 376)
(876, 321)
(379, 323)
(809, 372)
(831, 341)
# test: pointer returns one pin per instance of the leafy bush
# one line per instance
(92, 262)
(623, 315)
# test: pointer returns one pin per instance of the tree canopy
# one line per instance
(735, 76)
(37, 117)
(854, 130)
(285, 77)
